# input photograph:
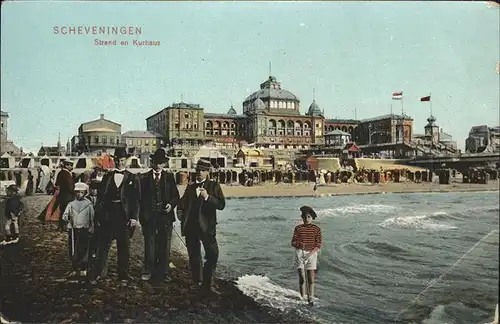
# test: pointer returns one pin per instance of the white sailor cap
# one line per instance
(81, 186)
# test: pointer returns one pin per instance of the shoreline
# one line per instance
(34, 286)
(331, 190)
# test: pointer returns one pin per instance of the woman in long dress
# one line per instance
(30, 186)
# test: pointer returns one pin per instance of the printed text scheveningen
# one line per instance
(97, 30)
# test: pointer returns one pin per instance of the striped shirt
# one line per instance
(307, 237)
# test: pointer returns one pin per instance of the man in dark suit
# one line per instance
(197, 213)
(65, 189)
(117, 211)
(159, 197)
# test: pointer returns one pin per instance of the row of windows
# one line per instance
(217, 132)
(140, 142)
(289, 140)
(103, 140)
(289, 132)
(281, 104)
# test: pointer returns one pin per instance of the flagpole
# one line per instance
(402, 111)
(430, 102)
(391, 108)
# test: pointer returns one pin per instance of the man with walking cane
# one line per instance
(307, 241)
(197, 211)
(159, 197)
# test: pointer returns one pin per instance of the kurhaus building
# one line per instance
(271, 118)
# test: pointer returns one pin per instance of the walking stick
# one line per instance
(72, 240)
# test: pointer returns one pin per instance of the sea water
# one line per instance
(380, 252)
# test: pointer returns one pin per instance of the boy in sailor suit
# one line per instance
(79, 217)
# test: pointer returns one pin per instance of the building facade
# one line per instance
(4, 121)
(97, 136)
(271, 118)
(390, 129)
(6, 146)
(274, 120)
(179, 123)
(138, 141)
(483, 139)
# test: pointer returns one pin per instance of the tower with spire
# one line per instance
(59, 143)
(432, 130)
(314, 110)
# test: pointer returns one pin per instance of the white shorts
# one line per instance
(310, 264)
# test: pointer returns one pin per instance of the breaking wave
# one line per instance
(265, 292)
(356, 209)
(424, 222)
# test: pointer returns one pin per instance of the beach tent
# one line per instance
(45, 160)
(27, 162)
(83, 162)
(7, 161)
(133, 162)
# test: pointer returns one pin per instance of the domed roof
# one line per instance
(231, 111)
(431, 121)
(259, 104)
(314, 109)
(279, 94)
(271, 89)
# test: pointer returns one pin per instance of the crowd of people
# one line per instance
(110, 204)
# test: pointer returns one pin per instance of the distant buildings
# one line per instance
(139, 141)
(270, 119)
(103, 136)
(97, 136)
(271, 122)
(434, 139)
(6, 146)
(483, 139)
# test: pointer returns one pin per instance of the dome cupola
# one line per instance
(231, 111)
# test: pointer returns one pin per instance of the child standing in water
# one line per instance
(307, 241)
(79, 216)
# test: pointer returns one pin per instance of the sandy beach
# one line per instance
(306, 189)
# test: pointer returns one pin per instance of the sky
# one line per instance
(354, 54)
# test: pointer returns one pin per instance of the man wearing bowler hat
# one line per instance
(159, 197)
(117, 211)
(197, 211)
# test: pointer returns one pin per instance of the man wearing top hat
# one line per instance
(197, 211)
(117, 214)
(159, 197)
(64, 188)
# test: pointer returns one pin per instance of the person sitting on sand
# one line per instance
(79, 217)
(13, 209)
(307, 242)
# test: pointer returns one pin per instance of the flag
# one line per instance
(397, 95)
(428, 98)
